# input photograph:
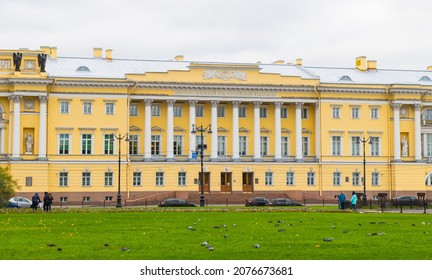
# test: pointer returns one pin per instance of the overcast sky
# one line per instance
(396, 33)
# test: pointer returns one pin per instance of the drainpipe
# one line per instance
(127, 128)
(390, 171)
(319, 155)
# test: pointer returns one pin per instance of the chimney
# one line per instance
(280, 61)
(97, 52)
(361, 63)
(109, 54)
(179, 57)
(53, 52)
(299, 62)
(429, 68)
(371, 65)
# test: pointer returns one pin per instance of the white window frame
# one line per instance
(304, 113)
(356, 179)
(221, 112)
(311, 178)
(181, 178)
(133, 110)
(268, 178)
(355, 113)
(87, 107)
(109, 108)
(243, 145)
(199, 111)
(376, 179)
(86, 177)
(336, 146)
(305, 145)
(221, 145)
(178, 110)
(156, 110)
(156, 141)
(284, 113)
(137, 179)
(64, 107)
(374, 146)
(290, 178)
(60, 143)
(109, 179)
(133, 139)
(263, 112)
(336, 112)
(264, 145)
(108, 140)
(160, 178)
(374, 113)
(242, 112)
(355, 146)
(337, 178)
(178, 145)
(63, 179)
(285, 146)
(91, 144)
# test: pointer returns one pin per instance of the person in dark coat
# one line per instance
(46, 201)
(35, 201)
(341, 199)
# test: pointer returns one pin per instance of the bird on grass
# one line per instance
(124, 249)
(204, 244)
(256, 246)
(190, 228)
(210, 248)
(330, 239)
(51, 245)
(59, 249)
(106, 244)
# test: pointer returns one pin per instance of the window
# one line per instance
(336, 145)
(311, 178)
(336, 178)
(336, 112)
(178, 145)
(133, 144)
(375, 179)
(356, 178)
(284, 113)
(375, 146)
(264, 145)
(242, 112)
(64, 144)
(177, 111)
(355, 145)
(83, 69)
(304, 113)
(86, 199)
(109, 108)
(108, 198)
(63, 179)
(428, 181)
(63, 199)
(285, 146)
(133, 110)
(263, 113)
(221, 151)
(243, 145)
(269, 178)
(86, 144)
(155, 110)
(87, 108)
(199, 111)
(155, 144)
(221, 112)
(86, 179)
(427, 146)
(108, 144)
(355, 112)
(159, 178)
(374, 113)
(290, 178)
(427, 115)
(182, 178)
(305, 145)
(64, 107)
(136, 179)
(108, 179)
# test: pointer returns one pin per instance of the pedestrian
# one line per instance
(35, 201)
(341, 199)
(353, 201)
(50, 201)
(46, 202)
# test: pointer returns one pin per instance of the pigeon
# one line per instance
(333, 227)
(51, 245)
(226, 236)
(210, 248)
(124, 249)
(234, 225)
(256, 246)
(281, 222)
(372, 223)
(360, 224)
(205, 243)
(276, 225)
(106, 244)
(59, 249)
(381, 234)
(371, 234)
(328, 239)
(216, 227)
(190, 228)
(345, 231)
(281, 230)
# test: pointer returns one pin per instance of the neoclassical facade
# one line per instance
(306, 132)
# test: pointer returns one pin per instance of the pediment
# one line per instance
(179, 129)
(307, 131)
(285, 130)
(134, 128)
(265, 130)
(157, 128)
(223, 130)
(244, 130)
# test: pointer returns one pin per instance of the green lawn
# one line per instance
(156, 234)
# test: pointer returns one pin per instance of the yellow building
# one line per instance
(282, 128)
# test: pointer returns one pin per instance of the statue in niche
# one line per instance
(29, 143)
(42, 61)
(404, 143)
(17, 57)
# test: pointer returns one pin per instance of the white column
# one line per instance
(299, 150)
(278, 153)
(147, 129)
(170, 130)
(257, 131)
(192, 139)
(214, 127)
(317, 132)
(396, 131)
(16, 140)
(235, 133)
(417, 132)
(43, 127)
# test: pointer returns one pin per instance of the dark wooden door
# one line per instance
(226, 182)
(247, 181)
(206, 180)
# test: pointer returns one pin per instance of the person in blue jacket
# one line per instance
(353, 201)
(35, 201)
(341, 200)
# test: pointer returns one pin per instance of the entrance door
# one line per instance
(247, 181)
(226, 182)
(206, 180)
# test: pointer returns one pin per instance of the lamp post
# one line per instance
(201, 129)
(364, 141)
(120, 138)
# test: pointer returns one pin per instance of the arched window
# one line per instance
(428, 181)
(83, 69)
(345, 78)
(425, 79)
(427, 115)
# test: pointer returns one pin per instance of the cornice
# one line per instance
(351, 90)
(78, 83)
(408, 91)
(26, 81)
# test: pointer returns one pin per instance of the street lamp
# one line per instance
(364, 141)
(201, 129)
(120, 138)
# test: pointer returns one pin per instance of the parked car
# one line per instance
(19, 202)
(283, 202)
(175, 202)
(406, 200)
(257, 201)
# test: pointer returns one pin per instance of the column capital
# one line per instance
(396, 106)
(417, 107)
(299, 105)
(214, 102)
(148, 101)
(170, 102)
(278, 104)
(43, 99)
(15, 98)
(257, 103)
(236, 103)
(193, 102)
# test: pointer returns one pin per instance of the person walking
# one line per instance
(50, 201)
(46, 202)
(35, 201)
(353, 201)
(341, 200)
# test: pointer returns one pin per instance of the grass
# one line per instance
(170, 234)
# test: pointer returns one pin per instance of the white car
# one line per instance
(19, 202)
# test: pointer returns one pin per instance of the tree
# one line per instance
(7, 186)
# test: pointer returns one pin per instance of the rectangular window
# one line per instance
(64, 144)
(336, 112)
(311, 178)
(243, 145)
(264, 145)
(375, 179)
(221, 151)
(242, 112)
(356, 178)
(108, 198)
(109, 108)
(355, 145)
(108, 144)
(63, 179)
(177, 110)
(133, 110)
(375, 146)
(155, 144)
(336, 145)
(86, 179)
(374, 113)
(133, 144)
(155, 110)
(285, 146)
(86, 144)
(269, 178)
(86, 199)
(263, 113)
(136, 179)
(64, 107)
(304, 113)
(336, 178)
(221, 112)
(199, 111)
(178, 145)
(290, 178)
(355, 113)
(284, 113)
(87, 108)
(109, 179)
(159, 178)
(182, 178)
(63, 199)
(305, 146)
